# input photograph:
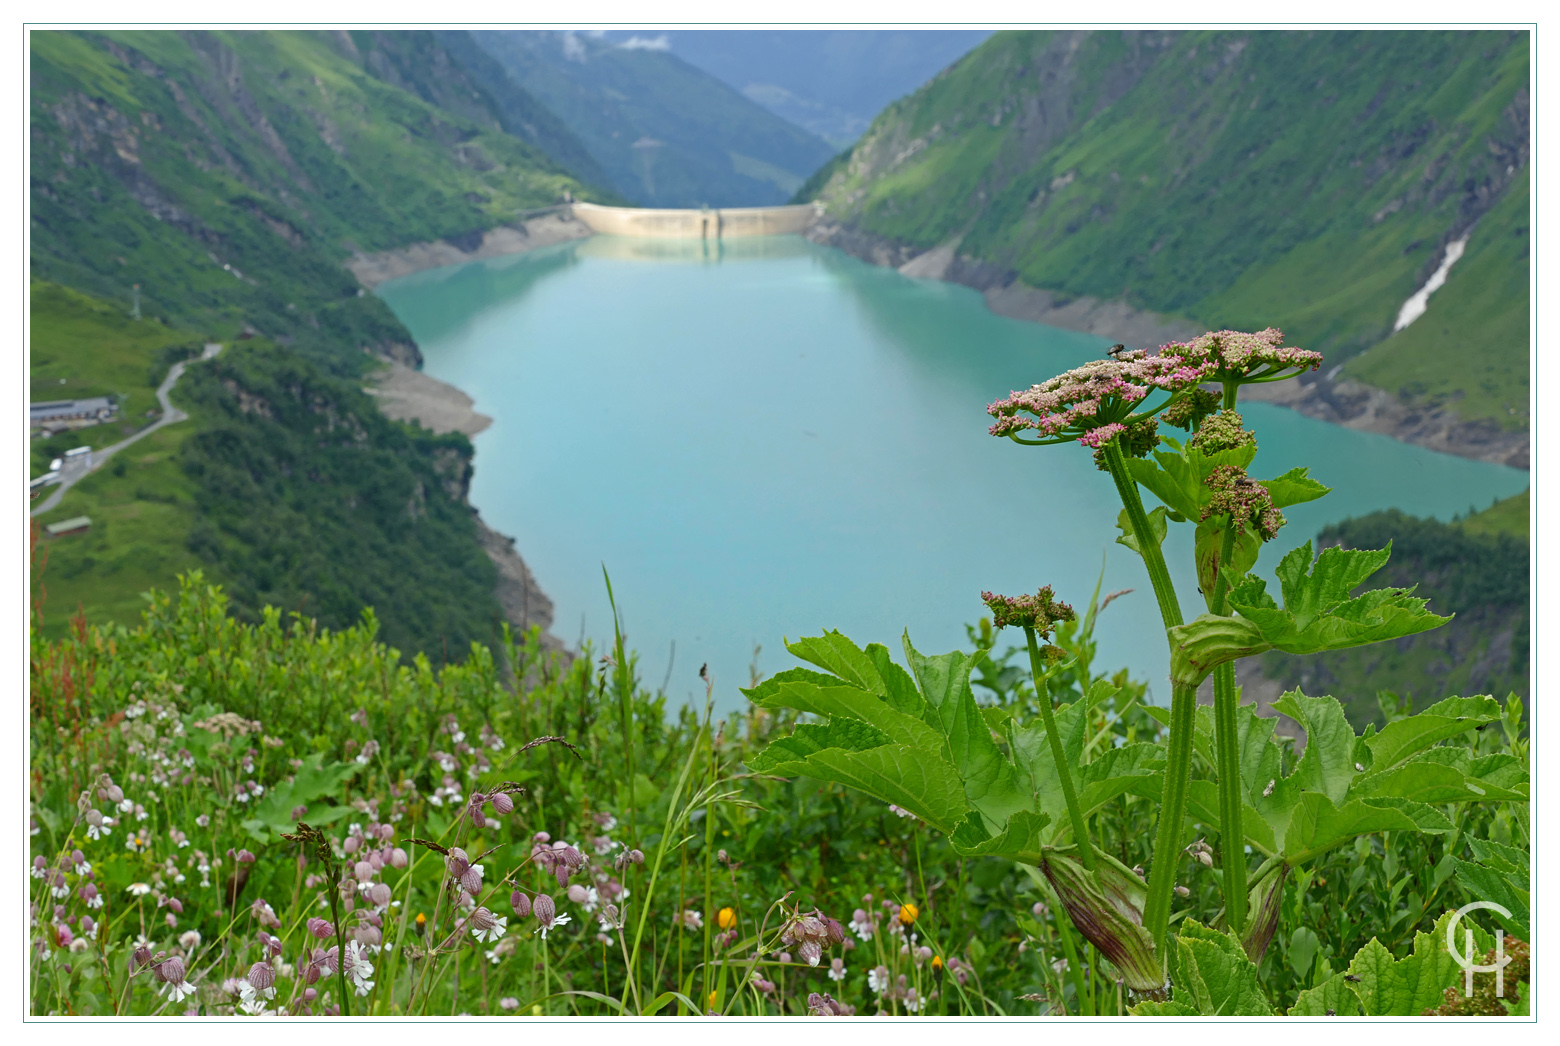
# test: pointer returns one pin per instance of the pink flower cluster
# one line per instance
(1089, 403)
(1244, 500)
(1236, 355)
(1041, 611)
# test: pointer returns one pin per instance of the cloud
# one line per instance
(642, 43)
(573, 49)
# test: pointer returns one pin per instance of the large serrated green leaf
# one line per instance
(1388, 987)
(834, 653)
(991, 782)
(1213, 974)
(851, 703)
(1316, 825)
(1402, 738)
(1421, 780)
(1117, 772)
(1327, 765)
(1202, 804)
(906, 777)
(1021, 838)
(898, 688)
(848, 734)
(1032, 752)
(1318, 615)
(1334, 997)
(1294, 487)
(764, 693)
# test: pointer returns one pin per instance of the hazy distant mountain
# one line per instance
(832, 82)
(666, 133)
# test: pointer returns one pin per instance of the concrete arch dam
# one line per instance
(702, 224)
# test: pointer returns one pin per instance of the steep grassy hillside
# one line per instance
(447, 68)
(1509, 517)
(230, 174)
(286, 485)
(82, 347)
(667, 134)
(1479, 575)
(1308, 180)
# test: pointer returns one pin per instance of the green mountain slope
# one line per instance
(1478, 575)
(231, 173)
(447, 69)
(1307, 180)
(667, 134)
(286, 485)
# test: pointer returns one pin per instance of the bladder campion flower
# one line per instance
(546, 913)
(485, 926)
(170, 972)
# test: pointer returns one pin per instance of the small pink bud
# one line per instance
(544, 909)
(261, 976)
(577, 894)
(379, 893)
(351, 844)
(176, 904)
(398, 858)
(386, 832)
(321, 928)
(298, 813)
(503, 804)
(520, 903)
(363, 870)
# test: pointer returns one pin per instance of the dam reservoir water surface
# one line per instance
(768, 438)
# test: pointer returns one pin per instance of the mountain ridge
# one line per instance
(1226, 179)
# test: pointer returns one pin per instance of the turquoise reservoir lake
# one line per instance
(769, 438)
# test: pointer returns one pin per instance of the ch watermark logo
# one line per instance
(1466, 958)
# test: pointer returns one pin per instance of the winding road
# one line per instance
(71, 474)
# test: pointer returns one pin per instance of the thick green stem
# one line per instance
(1153, 555)
(1232, 835)
(1080, 827)
(1183, 713)
(1172, 812)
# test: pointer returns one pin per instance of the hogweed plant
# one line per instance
(998, 785)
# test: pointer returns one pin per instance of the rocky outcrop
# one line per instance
(373, 269)
(523, 601)
(1358, 406)
(411, 396)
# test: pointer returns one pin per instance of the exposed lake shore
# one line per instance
(1342, 402)
(410, 395)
